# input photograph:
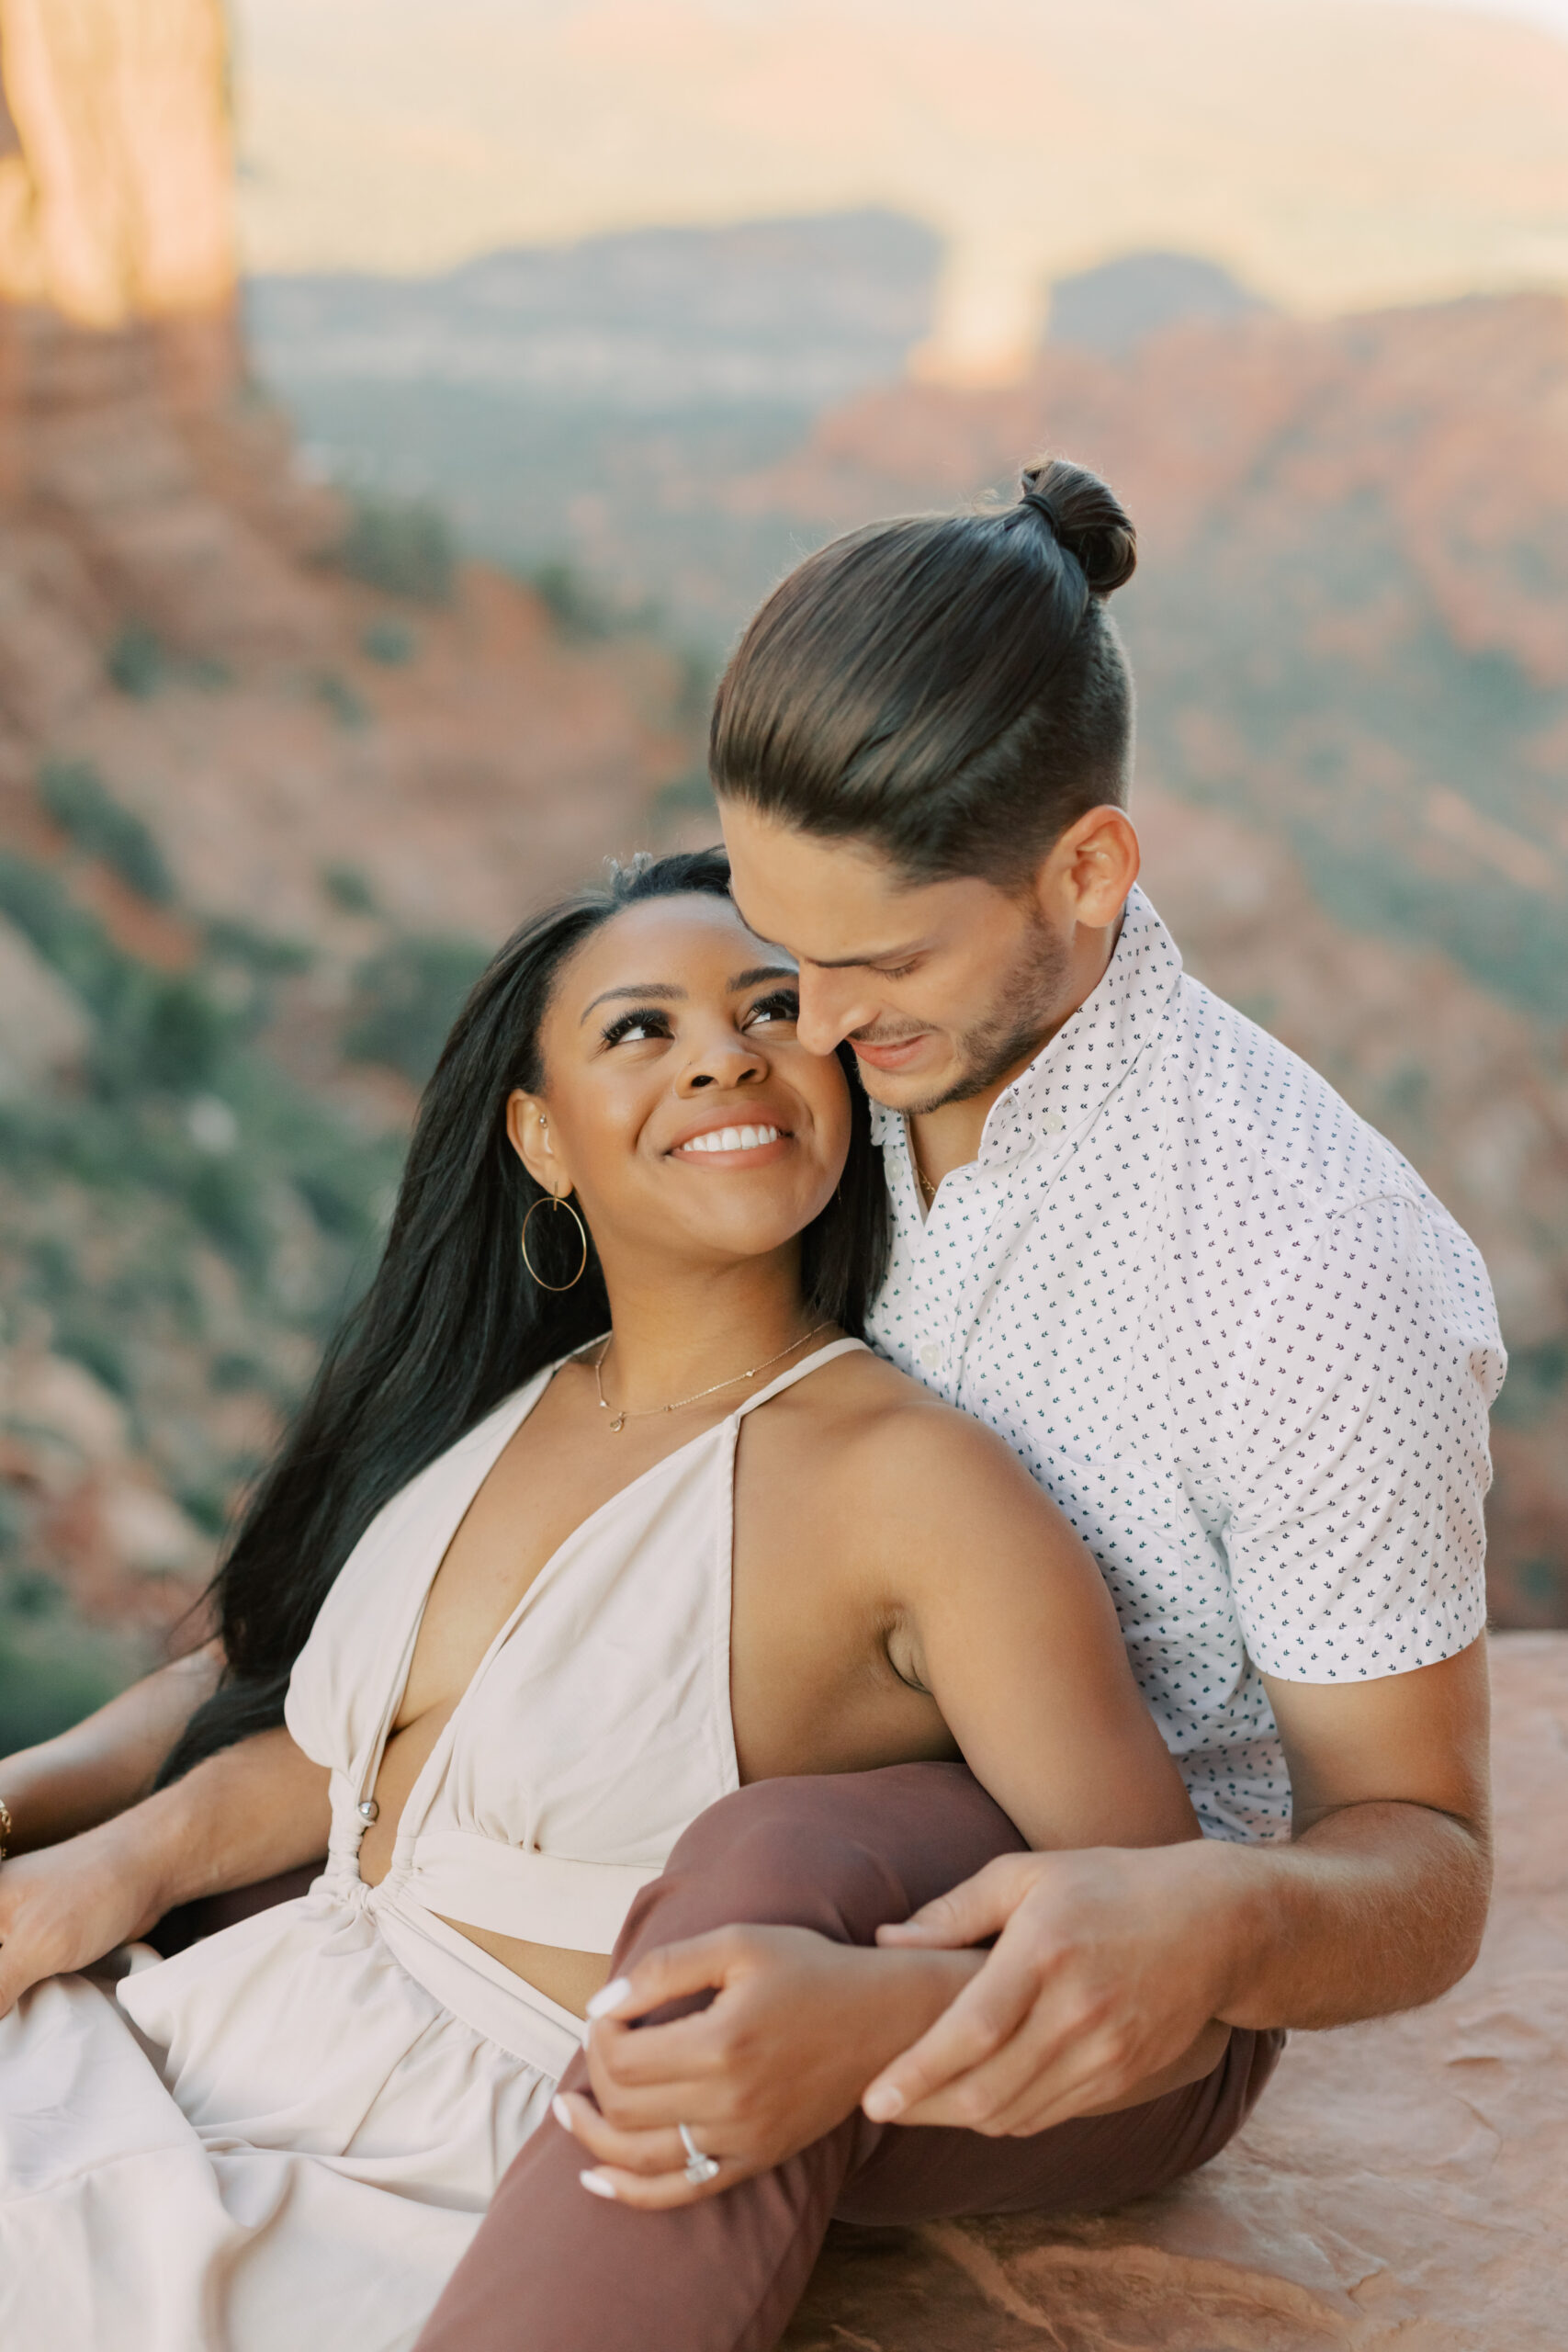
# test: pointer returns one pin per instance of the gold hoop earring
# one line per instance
(552, 1201)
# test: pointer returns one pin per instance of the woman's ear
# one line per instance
(528, 1132)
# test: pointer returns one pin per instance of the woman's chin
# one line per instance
(729, 1223)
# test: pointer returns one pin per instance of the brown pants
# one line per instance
(553, 2270)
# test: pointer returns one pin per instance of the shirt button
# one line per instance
(931, 1354)
(1053, 1122)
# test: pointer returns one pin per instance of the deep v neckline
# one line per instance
(428, 1780)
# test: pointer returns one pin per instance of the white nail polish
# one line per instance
(562, 2113)
(609, 1997)
(596, 2184)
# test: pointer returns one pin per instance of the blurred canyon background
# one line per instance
(400, 409)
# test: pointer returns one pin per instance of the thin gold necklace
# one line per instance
(650, 1413)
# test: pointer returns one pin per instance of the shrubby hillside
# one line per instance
(275, 773)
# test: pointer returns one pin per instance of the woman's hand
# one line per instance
(65, 1907)
(797, 2027)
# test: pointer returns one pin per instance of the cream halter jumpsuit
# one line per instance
(283, 2139)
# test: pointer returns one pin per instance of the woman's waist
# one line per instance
(567, 1977)
(517, 1892)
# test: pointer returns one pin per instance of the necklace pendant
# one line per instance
(618, 1424)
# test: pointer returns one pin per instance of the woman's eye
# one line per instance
(634, 1028)
(783, 1006)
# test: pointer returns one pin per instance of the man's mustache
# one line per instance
(879, 1036)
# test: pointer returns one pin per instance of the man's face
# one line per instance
(942, 989)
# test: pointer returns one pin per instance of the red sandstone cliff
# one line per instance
(255, 806)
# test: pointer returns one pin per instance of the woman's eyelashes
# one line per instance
(646, 1022)
(783, 1004)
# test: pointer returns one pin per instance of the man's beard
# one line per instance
(1025, 1008)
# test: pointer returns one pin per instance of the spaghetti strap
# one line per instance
(813, 1362)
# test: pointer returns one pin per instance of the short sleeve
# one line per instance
(1360, 1464)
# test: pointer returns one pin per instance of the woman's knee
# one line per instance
(839, 1852)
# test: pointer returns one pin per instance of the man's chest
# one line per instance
(1051, 1308)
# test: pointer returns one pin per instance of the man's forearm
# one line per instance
(1377, 1907)
(246, 1814)
(107, 1761)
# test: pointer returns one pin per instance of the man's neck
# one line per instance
(950, 1136)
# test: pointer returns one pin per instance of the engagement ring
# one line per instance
(700, 2169)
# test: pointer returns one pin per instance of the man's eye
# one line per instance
(783, 1005)
(894, 971)
(634, 1028)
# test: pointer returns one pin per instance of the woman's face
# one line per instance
(677, 1100)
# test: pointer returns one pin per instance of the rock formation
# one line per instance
(271, 777)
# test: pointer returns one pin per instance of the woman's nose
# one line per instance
(723, 1061)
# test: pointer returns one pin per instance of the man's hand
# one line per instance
(65, 1907)
(1108, 1972)
(243, 1814)
(795, 2030)
(1110, 1962)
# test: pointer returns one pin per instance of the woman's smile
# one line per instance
(751, 1144)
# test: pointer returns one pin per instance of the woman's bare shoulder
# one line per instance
(888, 1438)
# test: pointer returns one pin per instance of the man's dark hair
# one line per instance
(948, 687)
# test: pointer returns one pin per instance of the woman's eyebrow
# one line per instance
(643, 991)
(763, 972)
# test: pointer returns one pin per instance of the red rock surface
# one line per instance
(1400, 2189)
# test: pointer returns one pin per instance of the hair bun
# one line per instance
(1089, 520)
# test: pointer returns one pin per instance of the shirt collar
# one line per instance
(1072, 1077)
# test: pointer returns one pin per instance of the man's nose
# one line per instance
(830, 1008)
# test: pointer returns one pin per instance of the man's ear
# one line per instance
(1087, 871)
(528, 1132)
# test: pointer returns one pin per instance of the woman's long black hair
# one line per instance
(453, 1322)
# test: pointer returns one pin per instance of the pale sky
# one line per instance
(1553, 14)
(1335, 154)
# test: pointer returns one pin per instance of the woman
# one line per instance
(600, 1509)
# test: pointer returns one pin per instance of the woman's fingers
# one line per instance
(665, 2194)
(604, 2143)
(645, 2169)
(649, 2107)
(640, 2085)
(671, 1973)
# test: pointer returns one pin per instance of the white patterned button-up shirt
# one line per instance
(1237, 1340)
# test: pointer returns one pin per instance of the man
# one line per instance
(1229, 1330)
